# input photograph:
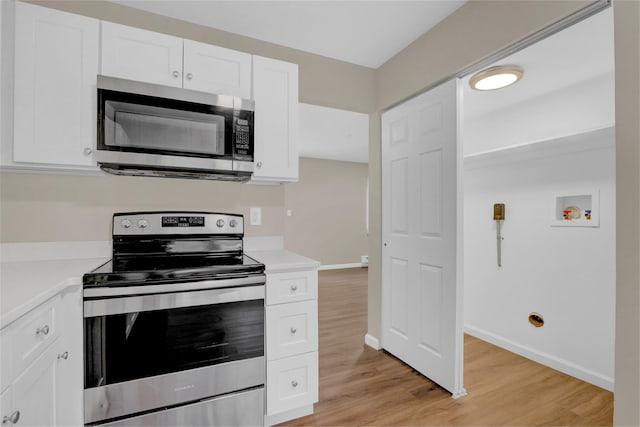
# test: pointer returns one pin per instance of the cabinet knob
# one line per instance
(259, 165)
(293, 330)
(64, 355)
(189, 76)
(13, 418)
(44, 330)
(87, 151)
(294, 288)
(176, 74)
(294, 383)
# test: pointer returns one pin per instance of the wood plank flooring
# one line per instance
(361, 386)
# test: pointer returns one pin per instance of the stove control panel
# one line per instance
(190, 223)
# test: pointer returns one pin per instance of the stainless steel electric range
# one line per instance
(174, 324)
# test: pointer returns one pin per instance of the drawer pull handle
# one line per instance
(44, 330)
(13, 418)
(294, 288)
(175, 74)
(64, 355)
(294, 383)
(293, 330)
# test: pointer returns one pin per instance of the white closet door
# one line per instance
(421, 220)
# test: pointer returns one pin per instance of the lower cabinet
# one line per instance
(291, 344)
(44, 386)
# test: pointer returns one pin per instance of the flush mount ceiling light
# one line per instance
(496, 77)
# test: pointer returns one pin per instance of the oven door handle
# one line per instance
(163, 301)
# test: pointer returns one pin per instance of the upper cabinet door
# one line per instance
(135, 54)
(215, 69)
(275, 91)
(56, 63)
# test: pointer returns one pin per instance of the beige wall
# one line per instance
(627, 371)
(39, 207)
(328, 205)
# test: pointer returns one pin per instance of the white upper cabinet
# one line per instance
(56, 63)
(215, 69)
(147, 56)
(135, 54)
(275, 91)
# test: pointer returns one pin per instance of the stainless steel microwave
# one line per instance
(151, 130)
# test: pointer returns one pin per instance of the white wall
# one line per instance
(566, 274)
(585, 106)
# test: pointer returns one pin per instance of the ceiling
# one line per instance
(363, 32)
(573, 56)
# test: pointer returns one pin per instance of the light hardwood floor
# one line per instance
(361, 386)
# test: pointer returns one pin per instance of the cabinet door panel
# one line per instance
(292, 382)
(215, 69)
(292, 329)
(275, 91)
(146, 56)
(34, 391)
(56, 63)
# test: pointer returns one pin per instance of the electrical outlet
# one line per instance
(255, 216)
(288, 212)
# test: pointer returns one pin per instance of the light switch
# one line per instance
(255, 216)
(288, 212)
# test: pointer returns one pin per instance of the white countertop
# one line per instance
(281, 260)
(26, 284)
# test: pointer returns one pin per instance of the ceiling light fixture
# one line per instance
(496, 77)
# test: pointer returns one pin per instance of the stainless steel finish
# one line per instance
(240, 166)
(13, 418)
(87, 151)
(294, 383)
(64, 355)
(189, 76)
(293, 330)
(127, 158)
(259, 165)
(149, 89)
(115, 400)
(171, 295)
(245, 408)
(154, 224)
(44, 330)
(168, 173)
(244, 104)
(175, 74)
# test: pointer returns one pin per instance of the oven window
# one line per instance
(130, 346)
(131, 125)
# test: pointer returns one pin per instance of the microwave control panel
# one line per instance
(242, 138)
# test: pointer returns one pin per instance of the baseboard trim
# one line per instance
(292, 414)
(546, 359)
(372, 341)
(339, 266)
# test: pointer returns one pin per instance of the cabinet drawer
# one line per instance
(292, 286)
(34, 332)
(292, 329)
(292, 382)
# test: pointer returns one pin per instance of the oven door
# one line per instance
(146, 352)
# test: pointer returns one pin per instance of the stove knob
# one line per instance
(143, 223)
(233, 223)
(126, 223)
(220, 223)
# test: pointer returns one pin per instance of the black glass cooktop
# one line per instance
(127, 271)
